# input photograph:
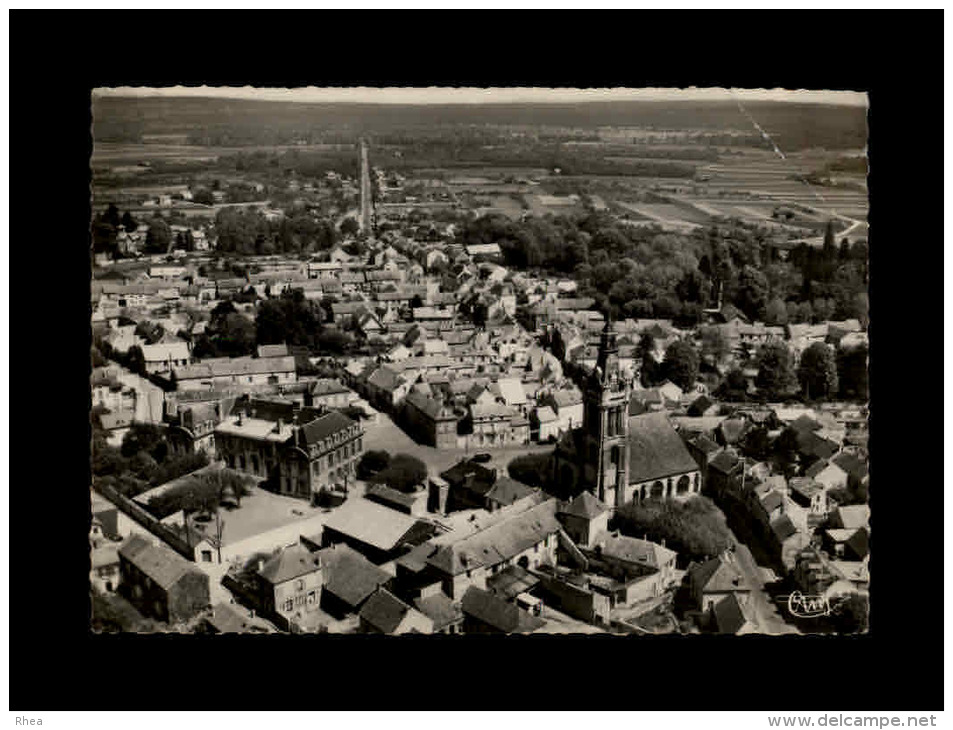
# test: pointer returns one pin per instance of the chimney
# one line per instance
(240, 412)
(278, 426)
(261, 564)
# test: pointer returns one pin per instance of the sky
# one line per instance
(435, 95)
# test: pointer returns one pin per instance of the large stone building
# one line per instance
(300, 451)
(617, 457)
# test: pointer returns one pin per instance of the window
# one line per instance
(300, 584)
(312, 597)
(206, 556)
(289, 606)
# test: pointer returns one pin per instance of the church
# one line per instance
(618, 457)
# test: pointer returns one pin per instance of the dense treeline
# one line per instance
(640, 271)
(248, 232)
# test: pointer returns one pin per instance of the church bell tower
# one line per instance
(606, 424)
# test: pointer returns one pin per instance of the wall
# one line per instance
(575, 601)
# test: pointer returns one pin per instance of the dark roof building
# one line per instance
(486, 613)
(656, 450)
(161, 583)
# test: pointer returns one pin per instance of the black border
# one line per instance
(56, 664)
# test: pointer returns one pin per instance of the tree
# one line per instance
(203, 196)
(817, 371)
(371, 463)
(751, 294)
(849, 613)
(404, 473)
(111, 216)
(158, 237)
(776, 313)
(141, 437)
(734, 387)
(349, 227)
(531, 469)
(852, 372)
(776, 377)
(714, 343)
(694, 528)
(646, 346)
(681, 364)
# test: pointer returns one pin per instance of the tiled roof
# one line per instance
(497, 613)
(506, 491)
(290, 563)
(719, 574)
(224, 367)
(633, 550)
(371, 523)
(350, 576)
(584, 505)
(384, 611)
(161, 564)
(501, 541)
(439, 609)
(166, 351)
(656, 449)
(729, 615)
(322, 427)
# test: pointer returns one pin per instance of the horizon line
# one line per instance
(446, 96)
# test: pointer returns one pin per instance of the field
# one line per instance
(679, 165)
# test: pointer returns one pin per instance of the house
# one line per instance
(846, 544)
(484, 612)
(349, 579)
(161, 583)
(238, 372)
(467, 484)
(385, 613)
(788, 539)
(289, 585)
(192, 427)
(445, 615)
(828, 474)
(272, 350)
(327, 393)
(526, 538)
(809, 494)
(431, 420)
(584, 517)
(506, 492)
(703, 406)
(714, 579)
(625, 558)
(544, 424)
(732, 615)
(851, 517)
(387, 388)
(104, 569)
(166, 357)
(510, 391)
(495, 424)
